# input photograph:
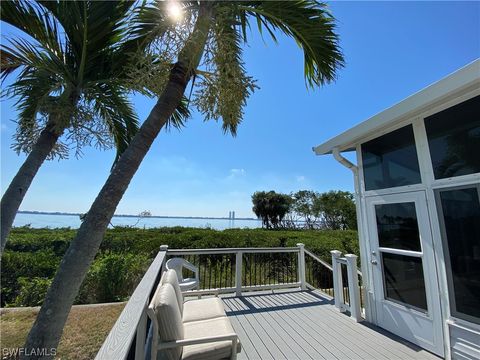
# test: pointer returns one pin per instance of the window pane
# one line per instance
(397, 226)
(461, 215)
(391, 160)
(454, 139)
(404, 280)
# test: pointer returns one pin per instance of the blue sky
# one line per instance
(392, 49)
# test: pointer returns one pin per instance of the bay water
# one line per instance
(73, 221)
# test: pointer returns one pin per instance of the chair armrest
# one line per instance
(202, 340)
(191, 267)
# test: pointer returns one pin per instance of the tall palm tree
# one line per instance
(70, 82)
(215, 31)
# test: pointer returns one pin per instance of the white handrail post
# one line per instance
(164, 248)
(301, 266)
(353, 288)
(238, 273)
(337, 280)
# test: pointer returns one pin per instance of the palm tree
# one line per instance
(70, 83)
(214, 32)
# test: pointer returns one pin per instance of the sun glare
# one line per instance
(174, 10)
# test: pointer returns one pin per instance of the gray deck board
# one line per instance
(302, 325)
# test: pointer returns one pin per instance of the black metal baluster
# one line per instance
(244, 272)
(222, 265)
(272, 268)
(210, 273)
(312, 273)
(277, 268)
(250, 269)
(325, 281)
(262, 270)
(295, 267)
(215, 285)
(268, 265)
(255, 269)
(204, 259)
(231, 270)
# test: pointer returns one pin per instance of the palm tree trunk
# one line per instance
(17, 189)
(48, 327)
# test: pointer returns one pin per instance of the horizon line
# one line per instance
(134, 216)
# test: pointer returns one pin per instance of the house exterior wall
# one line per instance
(464, 341)
(461, 338)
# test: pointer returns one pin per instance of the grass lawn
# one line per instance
(86, 329)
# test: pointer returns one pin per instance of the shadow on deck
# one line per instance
(305, 325)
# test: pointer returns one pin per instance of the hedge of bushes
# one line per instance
(33, 255)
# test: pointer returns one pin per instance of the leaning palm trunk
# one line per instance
(48, 327)
(17, 189)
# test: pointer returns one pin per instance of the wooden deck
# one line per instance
(305, 325)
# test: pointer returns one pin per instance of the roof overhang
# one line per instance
(461, 81)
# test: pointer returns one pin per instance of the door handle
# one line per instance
(374, 262)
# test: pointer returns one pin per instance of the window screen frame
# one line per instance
(423, 151)
(410, 123)
(446, 252)
(428, 165)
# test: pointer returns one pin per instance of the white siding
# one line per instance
(464, 343)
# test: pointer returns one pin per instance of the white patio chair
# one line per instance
(178, 264)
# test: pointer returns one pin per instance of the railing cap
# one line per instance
(300, 245)
(163, 247)
(336, 253)
(351, 256)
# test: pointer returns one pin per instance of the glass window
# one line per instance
(454, 139)
(461, 230)
(397, 226)
(403, 280)
(391, 160)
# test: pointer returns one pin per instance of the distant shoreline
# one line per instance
(136, 216)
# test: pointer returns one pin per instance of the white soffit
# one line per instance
(467, 77)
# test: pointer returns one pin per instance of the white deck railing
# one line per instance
(132, 323)
(353, 305)
(238, 270)
(230, 270)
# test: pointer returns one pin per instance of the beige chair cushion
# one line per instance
(170, 277)
(209, 351)
(203, 309)
(164, 304)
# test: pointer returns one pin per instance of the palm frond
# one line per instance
(8, 63)
(224, 93)
(180, 115)
(114, 108)
(312, 27)
(231, 72)
(32, 91)
(25, 53)
(76, 45)
(100, 23)
(150, 22)
(34, 21)
(43, 49)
